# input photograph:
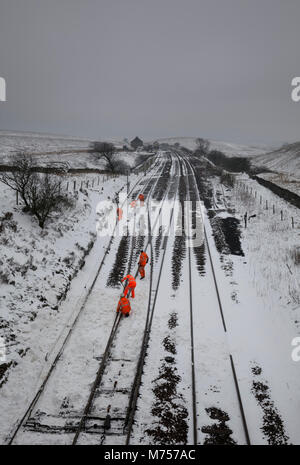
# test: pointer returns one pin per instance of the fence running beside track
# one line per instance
(265, 204)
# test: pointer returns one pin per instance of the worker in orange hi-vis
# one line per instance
(133, 204)
(119, 213)
(124, 306)
(142, 263)
(131, 283)
(141, 199)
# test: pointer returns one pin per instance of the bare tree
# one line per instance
(107, 151)
(202, 148)
(44, 197)
(40, 193)
(20, 177)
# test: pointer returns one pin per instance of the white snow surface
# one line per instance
(285, 159)
(51, 150)
(259, 292)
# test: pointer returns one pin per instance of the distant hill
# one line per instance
(230, 149)
(49, 148)
(285, 159)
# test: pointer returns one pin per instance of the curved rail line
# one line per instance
(32, 404)
(131, 408)
(135, 386)
(106, 354)
(194, 406)
(147, 331)
(236, 383)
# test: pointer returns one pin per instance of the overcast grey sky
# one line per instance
(220, 69)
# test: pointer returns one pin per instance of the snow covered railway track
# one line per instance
(192, 185)
(26, 418)
(97, 391)
(106, 403)
(153, 293)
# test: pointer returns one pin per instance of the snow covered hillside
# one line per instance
(49, 150)
(230, 149)
(285, 159)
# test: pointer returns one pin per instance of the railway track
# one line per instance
(27, 415)
(120, 427)
(191, 175)
(108, 420)
(194, 395)
(99, 422)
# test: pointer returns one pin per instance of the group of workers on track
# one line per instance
(124, 303)
(132, 204)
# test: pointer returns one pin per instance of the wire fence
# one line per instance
(74, 186)
(266, 205)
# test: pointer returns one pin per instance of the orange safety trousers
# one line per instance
(142, 271)
(143, 259)
(130, 286)
(120, 213)
(131, 283)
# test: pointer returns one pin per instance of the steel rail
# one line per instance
(236, 383)
(106, 354)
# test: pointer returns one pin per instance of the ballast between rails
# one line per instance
(104, 357)
(195, 430)
(147, 330)
(236, 383)
(106, 353)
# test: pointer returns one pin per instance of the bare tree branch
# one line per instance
(40, 193)
(107, 151)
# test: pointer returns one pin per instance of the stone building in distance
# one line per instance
(136, 143)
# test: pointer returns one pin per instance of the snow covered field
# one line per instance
(53, 150)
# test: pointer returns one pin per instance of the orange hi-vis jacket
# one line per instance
(131, 280)
(119, 213)
(124, 306)
(133, 204)
(143, 259)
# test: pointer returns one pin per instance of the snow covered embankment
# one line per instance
(36, 270)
